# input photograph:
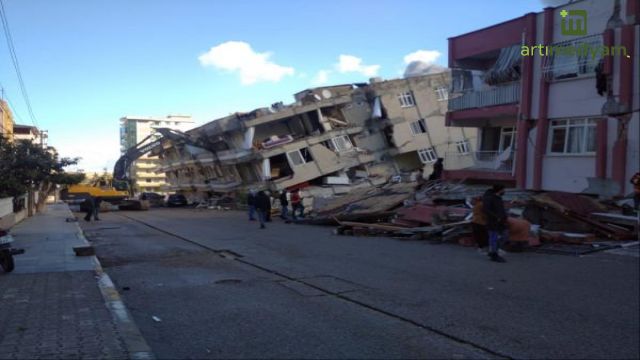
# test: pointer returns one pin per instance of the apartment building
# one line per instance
(134, 129)
(6, 120)
(554, 96)
(331, 140)
(412, 113)
(30, 133)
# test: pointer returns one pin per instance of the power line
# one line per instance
(16, 63)
(13, 108)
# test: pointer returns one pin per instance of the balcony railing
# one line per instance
(498, 161)
(497, 95)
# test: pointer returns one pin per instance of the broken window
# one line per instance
(406, 99)
(278, 167)
(428, 155)
(463, 146)
(300, 156)
(339, 144)
(418, 127)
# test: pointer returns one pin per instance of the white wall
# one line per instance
(567, 173)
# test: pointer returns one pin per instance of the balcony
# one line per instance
(497, 95)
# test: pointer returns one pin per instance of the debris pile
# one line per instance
(442, 211)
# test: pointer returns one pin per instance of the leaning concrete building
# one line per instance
(331, 140)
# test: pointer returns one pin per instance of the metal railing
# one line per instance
(480, 160)
(497, 95)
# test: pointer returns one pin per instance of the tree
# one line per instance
(26, 166)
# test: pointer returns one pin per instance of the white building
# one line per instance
(134, 129)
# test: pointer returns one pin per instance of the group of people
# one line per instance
(260, 206)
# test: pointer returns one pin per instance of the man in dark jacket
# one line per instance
(96, 208)
(251, 203)
(90, 206)
(263, 204)
(496, 218)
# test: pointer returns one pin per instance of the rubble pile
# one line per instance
(442, 211)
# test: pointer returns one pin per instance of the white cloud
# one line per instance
(350, 63)
(426, 56)
(238, 56)
(321, 78)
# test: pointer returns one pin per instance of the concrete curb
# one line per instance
(134, 341)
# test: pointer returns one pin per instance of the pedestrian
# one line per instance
(262, 206)
(268, 217)
(284, 206)
(90, 205)
(496, 218)
(296, 205)
(96, 208)
(251, 203)
(479, 225)
(438, 168)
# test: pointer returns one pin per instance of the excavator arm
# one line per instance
(147, 145)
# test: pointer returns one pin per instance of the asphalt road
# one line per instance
(222, 288)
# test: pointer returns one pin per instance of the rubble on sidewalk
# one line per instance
(441, 211)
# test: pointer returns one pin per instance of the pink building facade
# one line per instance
(555, 96)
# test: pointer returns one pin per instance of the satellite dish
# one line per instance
(326, 94)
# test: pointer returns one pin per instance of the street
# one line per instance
(210, 284)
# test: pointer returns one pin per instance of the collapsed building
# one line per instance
(330, 141)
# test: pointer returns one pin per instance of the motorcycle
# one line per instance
(7, 251)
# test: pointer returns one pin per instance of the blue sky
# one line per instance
(87, 63)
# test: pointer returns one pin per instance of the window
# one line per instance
(300, 157)
(573, 136)
(418, 127)
(148, 180)
(442, 93)
(428, 155)
(406, 99)
(340, 144)
(463, 146)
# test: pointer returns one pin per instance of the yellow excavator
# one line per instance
(119, 190)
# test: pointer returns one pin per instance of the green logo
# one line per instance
(574, 22)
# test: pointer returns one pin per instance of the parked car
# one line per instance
(154, 199)
(176, 200)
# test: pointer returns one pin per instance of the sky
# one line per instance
(87, 63)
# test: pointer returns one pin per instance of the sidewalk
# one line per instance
(57, 305)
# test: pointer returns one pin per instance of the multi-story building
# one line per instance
(554, 96)
(6, 120)
(134, 129)
(412, 114)
(29, 133)
(330, 140)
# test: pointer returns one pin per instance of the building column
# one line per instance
(626, 76)
(601, 149)
(523, 123)
(543, 108)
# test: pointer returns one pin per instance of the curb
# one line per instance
(134, 341)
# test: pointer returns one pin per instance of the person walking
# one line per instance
(438, 168)
(496, 218)
(284, 206)
(96, 208)
(262, 204)
(635, 181)
(296, 204)
(251, 203)
(479, 225)
(90, 206)
(268, 217)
